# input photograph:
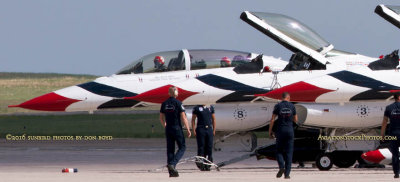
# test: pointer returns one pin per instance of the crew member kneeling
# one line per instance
(172, 113)
(204, 132)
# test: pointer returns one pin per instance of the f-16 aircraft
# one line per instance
(383, 155)
(334, 89)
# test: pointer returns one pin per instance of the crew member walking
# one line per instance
(283, 130)
(172, 113)
(204, 132)
(392, 112)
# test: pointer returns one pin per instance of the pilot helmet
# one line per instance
(225, 62)
(158, 61)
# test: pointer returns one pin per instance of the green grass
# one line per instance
(17, 75)
(16, 88)
(117, 126)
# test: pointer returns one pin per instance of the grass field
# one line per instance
(16, 88)
(117, 126)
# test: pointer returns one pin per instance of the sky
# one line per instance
(99, 37)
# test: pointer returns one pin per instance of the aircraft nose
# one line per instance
(373, 156)
(47, 102)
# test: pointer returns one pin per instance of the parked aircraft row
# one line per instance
(336, 92)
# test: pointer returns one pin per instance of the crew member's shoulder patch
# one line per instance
(200, 109)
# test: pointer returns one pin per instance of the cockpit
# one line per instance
(186, 60)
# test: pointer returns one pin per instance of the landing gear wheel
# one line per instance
(324, 162)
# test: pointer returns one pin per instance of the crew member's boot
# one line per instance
(172, 171)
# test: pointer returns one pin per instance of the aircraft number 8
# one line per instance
(240, 114)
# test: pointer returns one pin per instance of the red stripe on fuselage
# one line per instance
(159, 95)
(299, 92)
(47, 102)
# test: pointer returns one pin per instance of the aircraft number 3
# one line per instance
(240, 114)
(363, 111)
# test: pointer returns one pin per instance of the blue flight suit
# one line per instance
(172, 108)
(204, 131)
(392, 112)
(284, 134)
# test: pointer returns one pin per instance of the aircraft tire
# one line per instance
(324, 161)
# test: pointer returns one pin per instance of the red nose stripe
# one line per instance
(160, 94)
(299, 92)
(47, 102)
(373, 156)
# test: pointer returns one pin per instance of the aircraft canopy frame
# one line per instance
(184, 59)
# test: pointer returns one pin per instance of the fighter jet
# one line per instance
(391, 14)
(243, 86)
(339, 97)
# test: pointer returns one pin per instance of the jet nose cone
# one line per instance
(47, 102)
(373, 156)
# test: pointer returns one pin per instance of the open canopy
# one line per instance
(389, 13)
(290, 33)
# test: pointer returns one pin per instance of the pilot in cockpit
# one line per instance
(159, 64)
(225, 62)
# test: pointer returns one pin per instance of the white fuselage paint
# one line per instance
(348, 115)
(240, 116)
(256, 116)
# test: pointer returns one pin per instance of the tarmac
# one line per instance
(122, 160)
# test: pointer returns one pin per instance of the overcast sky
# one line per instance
(100, 37)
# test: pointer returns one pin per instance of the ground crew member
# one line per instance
(392, 112)
(283, 130)
(204, 132)
(172, 113)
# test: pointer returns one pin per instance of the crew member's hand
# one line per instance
(383, 138)
(271, 135)
(194, 132)
(189, 133)
(214, 133)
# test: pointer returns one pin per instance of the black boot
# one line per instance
(172, 171)
(280, 173)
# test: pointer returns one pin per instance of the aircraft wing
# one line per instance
(290, 33)
(389, 13)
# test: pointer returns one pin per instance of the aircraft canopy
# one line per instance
(389, 13)
(294, 29)
(290, 33)
(186, 60)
